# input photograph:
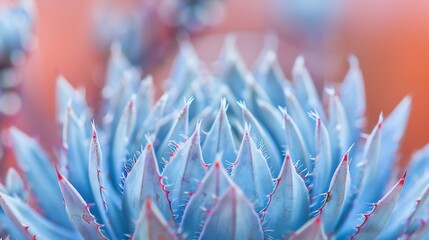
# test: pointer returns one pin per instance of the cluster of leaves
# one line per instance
(223, 164)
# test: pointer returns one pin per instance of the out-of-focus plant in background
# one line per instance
(16, 40)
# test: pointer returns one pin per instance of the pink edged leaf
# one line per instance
(143, 182)
(29, 223)
(374, 221)
(413, 204)
(180, 128)
(288, 208)
(213, 185)
(393, 131)
(415, 214)
(78, 211)
(336, 196)
(274, 160)
(233, 217)
(361, 172)
(313, 230)
(151, 224)
(220, 139)
(96, 182)
(251, 172)
(183, 173)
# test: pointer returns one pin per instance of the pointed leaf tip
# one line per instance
(375, 221)
(233, 217)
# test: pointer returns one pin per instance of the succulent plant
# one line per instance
(224, 163)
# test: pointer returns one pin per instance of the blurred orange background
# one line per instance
(390, 38)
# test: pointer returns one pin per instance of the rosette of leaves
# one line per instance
(223, 154)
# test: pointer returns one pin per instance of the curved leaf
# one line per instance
(288, 208)
(251, 172)
(233, 217)
(323, 163)
(123, 132)
(213, 185)
(96, 181)
(336, 196)
(29, 223)
(78, 211)
(375, 220)
(360, 172)
(143, 182)
(179, 129)
(183, 173)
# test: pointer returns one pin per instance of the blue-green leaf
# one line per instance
(288, 208)
(151, 224)
(76, 146)
(15, 185)
(213, 185)
(177, 130)
(336, 196)
(78, 211)
(143, 182)
(374, 221)
(251, 172)
(183, 173)
(31, 224)
(313, 229)
(274, 160)
(233, 217)
(220, 139)
(40, 176)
